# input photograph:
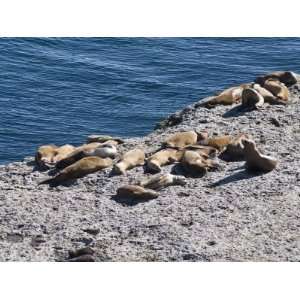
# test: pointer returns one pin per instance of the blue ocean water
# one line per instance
(59, 90)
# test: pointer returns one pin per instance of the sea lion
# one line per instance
(135, 192)
(227, 97)
(44, 155)
(163, 157)
(218, 142)
(103, 138)
(277, 88)
(160, 181)
(251, 98)
(129, 160)
(82, 167)
(179, 140)
(204, 151)
(195, 165)
(62, 152)
(234, 151)
(255, 161)
(286, 77)
(102, 150)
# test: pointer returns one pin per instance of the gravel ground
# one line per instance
(228, 215)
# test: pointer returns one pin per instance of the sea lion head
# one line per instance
(45, 155)
(248, 144)
(289, 78)
(119, 169)
(107, 150)
(201, 135)
(179, 180)
(153, 166)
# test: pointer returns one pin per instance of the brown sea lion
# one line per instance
(179, 140)
(102, 150)
(81, 168)
(129, 160)
(163, 157)
(160, 181)
(251, 98)
(234, 151)
(255, 161)
(136, 192)
(227, 97)
(286, 77)
(103, 138)
(44, 155)
(277, 88)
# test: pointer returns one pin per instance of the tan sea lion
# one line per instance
(129, 160)
(81, 168)
(179, 140)
(163, 157)
(194, 164)
(102, 150)
(277, 88)
(286, 77)
(227, 97)
(103, 138)
(160, 181)
(255, 161)
(44, 155)
(218, 142)
(62, 152)
(136, 192)
(251, 98)
(204, 151)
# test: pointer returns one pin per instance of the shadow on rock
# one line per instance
(129, 201)
(244, 174)
(177, 169)
(236, 111)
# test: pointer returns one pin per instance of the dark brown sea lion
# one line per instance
(287, 77)
(251, 98)
(103, 138)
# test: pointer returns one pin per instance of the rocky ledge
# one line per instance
(227, 215)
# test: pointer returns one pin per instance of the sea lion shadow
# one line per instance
(127, 201)
(236, 111)
(177, 169)
(67, 183)
(36, 167)
(146, 170)
(241, 175)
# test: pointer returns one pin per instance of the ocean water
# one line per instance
(59, 90)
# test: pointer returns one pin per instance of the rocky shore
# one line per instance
(227, 215)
